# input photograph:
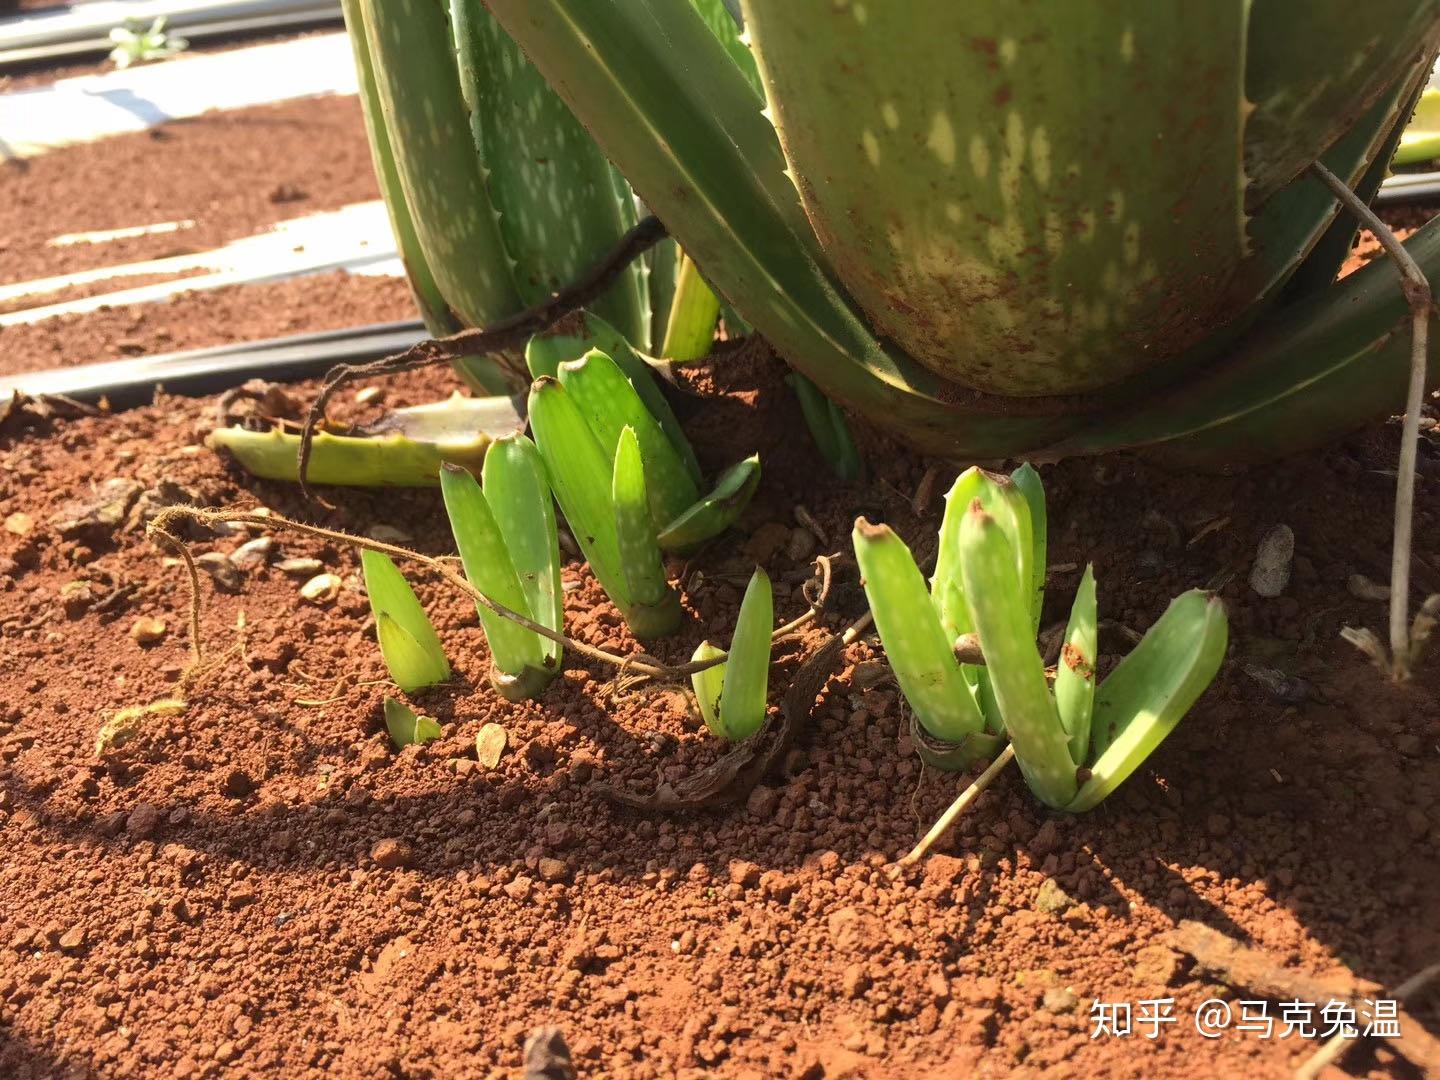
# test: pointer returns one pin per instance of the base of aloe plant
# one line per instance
(527, 684)
(954, 757)
(650, 621)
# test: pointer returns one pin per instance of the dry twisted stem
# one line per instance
(511, 332)
(162, 529)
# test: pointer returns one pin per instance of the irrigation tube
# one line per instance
(127, 383)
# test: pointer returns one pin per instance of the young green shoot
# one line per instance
(1075, 743)
(732, 695)
(828, 427)
(506, 535)
(406, 726)
(652, 599)
(408, 642)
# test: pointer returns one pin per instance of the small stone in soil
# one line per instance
(321, 589)
(144, 821)
(489, 745)
(1052, 899)
(19, 524)
(1362, 588)
(73, 940)
(553, 870)
(1270, 572)
(226, 574)
(300, 567)
(147, 630)
(391, 854)
(253, 554)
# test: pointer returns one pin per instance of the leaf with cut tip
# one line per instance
(999, 601)
(518, 492)
(654, 609)
(488, 566)
(716, 512)
(1000, 497)
(580, 475)
(709, 684)
(609, 404)
(919, 650)
(1154, 686)
(576, 335)
(412, 650)
(747, 669)
(407, 727)
(1075, 673)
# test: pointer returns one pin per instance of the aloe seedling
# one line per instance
(411, 648)
(1077, 744)
(581, 417)
(732, 694)
(828, 428)
(407, 727)
(505, 530)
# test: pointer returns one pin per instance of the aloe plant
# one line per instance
(732, 694)
(625, 481)
(408, 641)
(505, 531)
(958, 236)
(1075, 743)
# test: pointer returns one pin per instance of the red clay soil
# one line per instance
(263, 886)
(198, 320)
(232, 173)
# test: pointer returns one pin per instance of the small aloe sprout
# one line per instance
(406, 726)
(625, 486)
(828, 427)
(732, 694)
(506, 535)
(408, 642)
(1076, 742)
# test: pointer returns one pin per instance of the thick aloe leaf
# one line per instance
(1003, 499)
(1075, 673)
(489, 567)
(690, 324)
(957, 165)
(1142, 700)
(1320, 366)
(1000, 605)
(560, 206)
(747, 669)
(408, 641)
(709, 684)
(609, 403)
(657, 90)
(428, 298)
(580, 475)
(654, 609)
(575, 336)
(1311, 73)
(413, 55)
(919, 649)
(518, 493)
(715, 512)
(723, 25)
(407, 727)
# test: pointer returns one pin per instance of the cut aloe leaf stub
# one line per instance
(1075, 672)
(411, 648)
(747, 670)
(654, 609)
(518, 492)
(488, 566)
(1144, 698)
(919, 650)
(407, 727)
(709, 685)
(609, 403)
(999, 599)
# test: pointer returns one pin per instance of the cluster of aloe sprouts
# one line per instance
(1075, 742)
(627, 481)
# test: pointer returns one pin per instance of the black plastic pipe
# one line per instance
(127, 383)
